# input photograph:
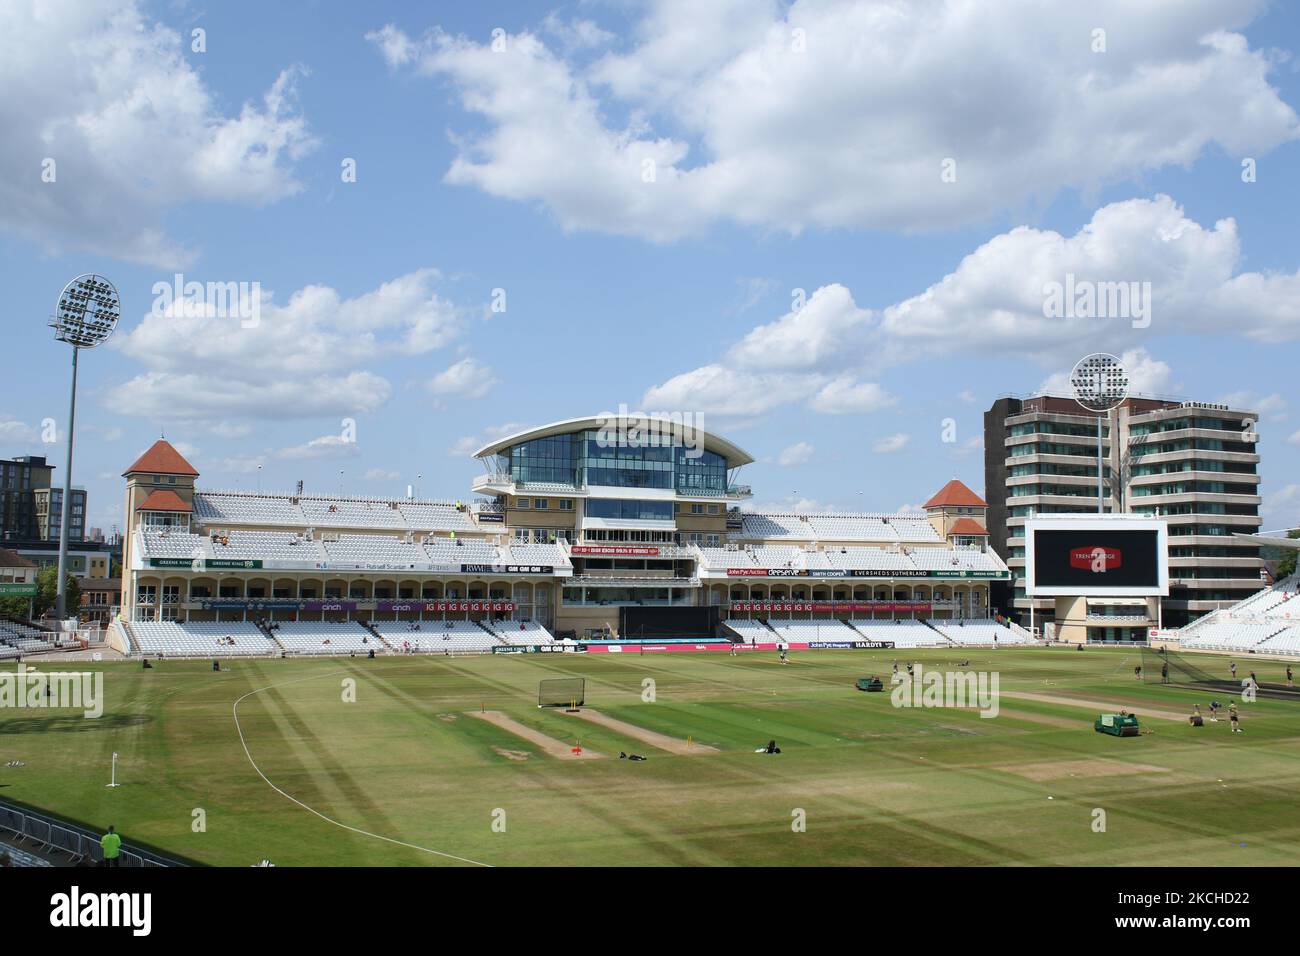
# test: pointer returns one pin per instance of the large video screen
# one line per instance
(1100, 557)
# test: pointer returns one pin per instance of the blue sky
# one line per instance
(794, 147)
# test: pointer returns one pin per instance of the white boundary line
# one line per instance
(234, 710)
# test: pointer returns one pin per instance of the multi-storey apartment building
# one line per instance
(1192, 463)
(31, 507)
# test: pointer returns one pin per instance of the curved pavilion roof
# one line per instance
(734, 454)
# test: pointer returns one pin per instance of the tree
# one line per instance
(13, 607)
(47, 586)
(1286, 561)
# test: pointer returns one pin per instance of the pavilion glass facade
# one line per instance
(582, 458)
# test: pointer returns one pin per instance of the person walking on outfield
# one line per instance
(111, 844)
(1164, 673)
(1234, 717)
(1289, 681)
(1232, 666)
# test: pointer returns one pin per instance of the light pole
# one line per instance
(87, 314)
(1100, 385)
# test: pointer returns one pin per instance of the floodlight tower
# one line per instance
(1100, 384)
(86, 315)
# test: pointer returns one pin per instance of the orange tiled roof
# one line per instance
(955, 493)
(967, 526)
(163, 459)
(164, 499)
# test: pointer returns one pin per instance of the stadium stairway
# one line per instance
(499, 638)
(265, 628)
(369, 626)
(949, 640)
(726, 631)
(132, 645)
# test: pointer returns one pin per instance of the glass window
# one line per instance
(629, 509)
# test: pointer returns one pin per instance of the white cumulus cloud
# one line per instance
(828, 113)
(108, 96)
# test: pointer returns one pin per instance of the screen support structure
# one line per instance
(1100, 384)
(1101, 498)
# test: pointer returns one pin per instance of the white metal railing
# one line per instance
(36, 832)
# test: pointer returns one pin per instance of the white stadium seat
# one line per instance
(1267, 622)
(200, 639)
(437, 636)
(977, 631)
(324, 637)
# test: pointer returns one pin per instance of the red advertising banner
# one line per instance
(444, 606)
(613, 550)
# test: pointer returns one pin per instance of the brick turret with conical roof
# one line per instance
(159, 493)
(957, 512)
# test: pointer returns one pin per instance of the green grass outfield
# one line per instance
(879, 785)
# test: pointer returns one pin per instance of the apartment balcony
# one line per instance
(1167, 457)
(1197, 605)
(1046, 438)
(1251, 581)
(1181, 434)
(1214, 562)
(1087, 455)
(1081, 502)
(1058, 418)
(1215, 540)
(1079, 481)
(1231, 477)
(1239, 523)
(1195, 497)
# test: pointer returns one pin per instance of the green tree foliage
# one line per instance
(1287, 558)
(47, 585)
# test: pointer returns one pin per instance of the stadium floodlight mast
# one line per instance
(1100, 384)
(86, 315)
